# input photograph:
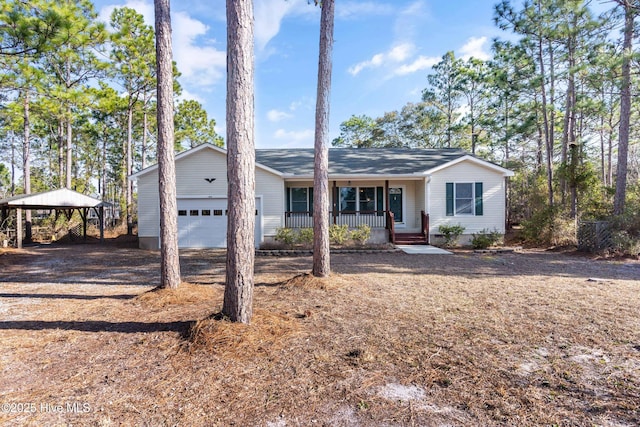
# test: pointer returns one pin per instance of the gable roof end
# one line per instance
(472, 159)
(193, 151)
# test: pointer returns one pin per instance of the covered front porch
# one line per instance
(395, 210)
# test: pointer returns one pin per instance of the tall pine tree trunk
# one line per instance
(13, 165)
(546, 125)
(129, 161)
(61, 153)
(569, 143)
(26, 162)
(321, 255)
(602, 152)
(69, 132)
(625, 109)
(169, 255)
(69, 150)
(238, 292)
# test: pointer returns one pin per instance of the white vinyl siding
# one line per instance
(271, 188)
(493, 198)
(191, 171)
(148, 206)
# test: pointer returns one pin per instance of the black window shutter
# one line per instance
(380, 201)
(479, 207)
(449, 199)
(310, 207)
(288, 192)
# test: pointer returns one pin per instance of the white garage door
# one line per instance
(202, 223)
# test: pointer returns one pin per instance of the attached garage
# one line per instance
(201, 187)
(202, 222)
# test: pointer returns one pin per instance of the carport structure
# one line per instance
(62, 200)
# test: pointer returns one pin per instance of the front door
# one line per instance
(395, 203)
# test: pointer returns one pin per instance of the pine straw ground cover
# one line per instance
(532, 338)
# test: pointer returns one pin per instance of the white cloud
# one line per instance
(396, 54)
(420, 63)
(200, 63)
(144, 8)
(268, 16)
(355, 10)
(276, 115)
(410, 19)
(475, 48)
(401, 52)
(186, 95)
(295, 138)
(304, 103)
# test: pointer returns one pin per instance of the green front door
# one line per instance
(395, 203)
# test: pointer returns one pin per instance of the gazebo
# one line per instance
(64, 200)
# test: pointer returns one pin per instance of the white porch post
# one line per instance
(19, 228)
(427, 195)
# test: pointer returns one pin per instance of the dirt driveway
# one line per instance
(532, 338)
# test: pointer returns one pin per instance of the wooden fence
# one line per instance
(594, 236)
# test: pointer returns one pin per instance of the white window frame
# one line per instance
(290, 190)
(455, 199)
(357, 201)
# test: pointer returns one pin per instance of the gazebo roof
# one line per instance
(54, 199)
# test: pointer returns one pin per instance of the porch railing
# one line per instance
(374, 219)
(425, 225)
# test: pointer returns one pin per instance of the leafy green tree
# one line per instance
(27, 26)
(603, 105)
(509, 120)
(193, 126)
(71, 66)
(133, 58)
(388, 130)
(444, 93)
(26, 30)
(5, 181)
(631, 10)
(357, 132)
(422, 125)
(473, 78)
(103, 128)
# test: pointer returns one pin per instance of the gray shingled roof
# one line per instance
(358, 161)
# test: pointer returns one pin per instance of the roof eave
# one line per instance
(505, 172)
(192, 151)
(352, 176)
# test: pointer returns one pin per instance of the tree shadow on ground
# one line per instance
(68, 296)
(181, 327)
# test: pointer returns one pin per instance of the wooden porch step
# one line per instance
(410, 239)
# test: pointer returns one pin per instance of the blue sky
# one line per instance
(382, 54)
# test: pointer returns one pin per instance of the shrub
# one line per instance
(451, 233)
(625, 238)
(338, 234)
(625, 244)
(285, 235)
(305, 236)
(361, 234)
(550, 227)
(485, 239)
